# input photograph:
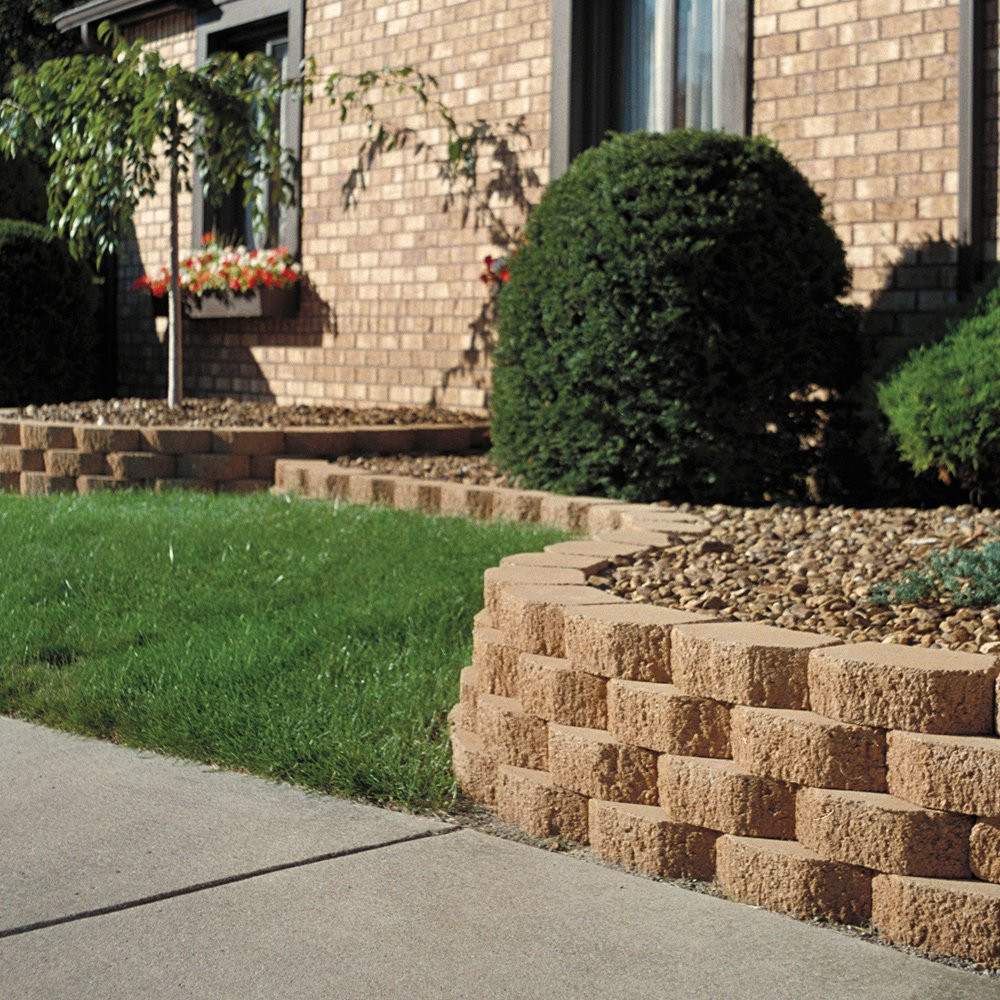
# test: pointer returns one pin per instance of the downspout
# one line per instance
(970, 155)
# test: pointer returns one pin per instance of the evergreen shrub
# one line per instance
(673, 294)
(48, 337)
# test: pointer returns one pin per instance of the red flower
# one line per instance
(504, 274)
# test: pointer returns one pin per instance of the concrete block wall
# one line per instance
(850, 782)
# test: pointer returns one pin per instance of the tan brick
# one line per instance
(474, 765)
(661, 717)
(634, 537)
(588, 565)
(70, 462)
(499, 577)
(569, 513)
(530, 801)
(513, 736)
(532, 617)
(904, 687)
(747, 664)
(984, 850)
(416, 494)
(642, 838)
(496, 660)
(219, 467)
(321, 442)
(593, 763)
(960, 918)
(90, 437)
(606, 550)
(523, 506)
(628, 641)
(721, 795)
(785, 876)
(40, 435)
(290, 476)
(326, 481)
(882, 832)
(140, 466)
(99, 484)
(10, 432)
(468, 692)
(462, 500)
(42, 484)
(248, 441)
(808, 749)
(956, 773)
(175, 440)
(552, 690)
(17, 459)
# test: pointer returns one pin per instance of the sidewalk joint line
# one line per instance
(215, 883)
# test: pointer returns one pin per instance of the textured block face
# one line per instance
(952, 918)
(605, 550)
(661, 717)
(175, 440)
(468, 691)
(552, 690)
(320, 480)
(745, 664)
(882, 832)
(590, 762)
(530, 801)
(532, 616)
(984, 850)
(318, 442)
(105, 439)
(512, 736)
(217, 467)
(641, 837)
(474, 765)
(808, 749)
(628, 641)
(99, 484)
(412, 494)
(783, 875)
(41, 484)
(721, 795)
(16, 459)
(460, 500)
(518, 505)
(10, 432)
(441, 437)
(569, 513)
(495, 579)
(904, 687)
(70, 462)
(383, 440)
(957, 773)
(358, 488)
(588, 565)
(10, 482)
(41, 435)
(141, 465)
(496, 660)
(248, 441)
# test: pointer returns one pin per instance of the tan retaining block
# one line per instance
(383, 440)
(641, 837)
(248, 441)
(321, 442)
(142, 465)
(783, 875)
(532, 616)
(10, 482)
(808, 749)
(512, 736)
(721, 795)
(882, 832)
(605, 550)
(175, 440)
(957, 773)
(746, 664)
(474, 766)
(530, 801)
(104, 438)
(99, 484)
(41, 435)
(495, 579)
(959, 918)
(442, 437)
(984, 850)
(627, 641)
(319, 479)
(10, 432)
(461, 500)
(588, 565)
(661, 717)
(213, 466)
(633, 536)
(70, 462)
(568, 512)
(17, 459)
(904, 687)
(468, 692)
(496, 660)
(42, 484)
(524, 506)
(416, 494)
(593, 763)
(550, 689)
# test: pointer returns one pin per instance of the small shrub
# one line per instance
(673, 307)
(943, 403)
(48, 343)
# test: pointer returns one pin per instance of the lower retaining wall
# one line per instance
(852, 782)
(39, 457)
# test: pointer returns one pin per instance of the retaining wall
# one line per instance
(40, 457)
(852, 782)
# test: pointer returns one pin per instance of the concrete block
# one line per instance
(498, 577)
(588, 565)
(604, 550)
(530, 801)
(550, 689)
(248, 441)
(593, 763)
(41, 435)
(642, 838)
(262, 466)
(99, 484)
(468, 692)
(882, 832)
(42, 484)
(324, 480)
(461, 500)
(984, 850)
(102, 439)
(10, 482)
(442, 438)
(474, 765)
(13, 458)
(523, 506)
(512, 736)
(661, 717)
(70, 462)
(141, 466)
(10, 432)
(383, 440)
(496, 660)
(321, 442)
(808, 749)
(568, 512)
(219, 467)
(416, 494)
(175, 440)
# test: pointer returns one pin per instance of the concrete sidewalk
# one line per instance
(126, 874)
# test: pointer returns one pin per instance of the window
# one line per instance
(625, 65)
(244, 26)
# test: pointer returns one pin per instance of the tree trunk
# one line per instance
(175, 364)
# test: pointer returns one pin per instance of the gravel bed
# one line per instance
(473, 468)
(233, 413)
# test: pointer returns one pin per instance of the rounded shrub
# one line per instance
(48, 340)
(943, 403)
(669, 324)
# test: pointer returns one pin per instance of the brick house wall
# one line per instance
(861, 94)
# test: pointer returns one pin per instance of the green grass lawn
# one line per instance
(315, 644)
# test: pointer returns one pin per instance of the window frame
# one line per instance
(579, 81)
(231, 16)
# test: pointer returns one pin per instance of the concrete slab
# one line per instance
(85, 824)
(458, 916)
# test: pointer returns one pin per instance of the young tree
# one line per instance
(109, 123)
